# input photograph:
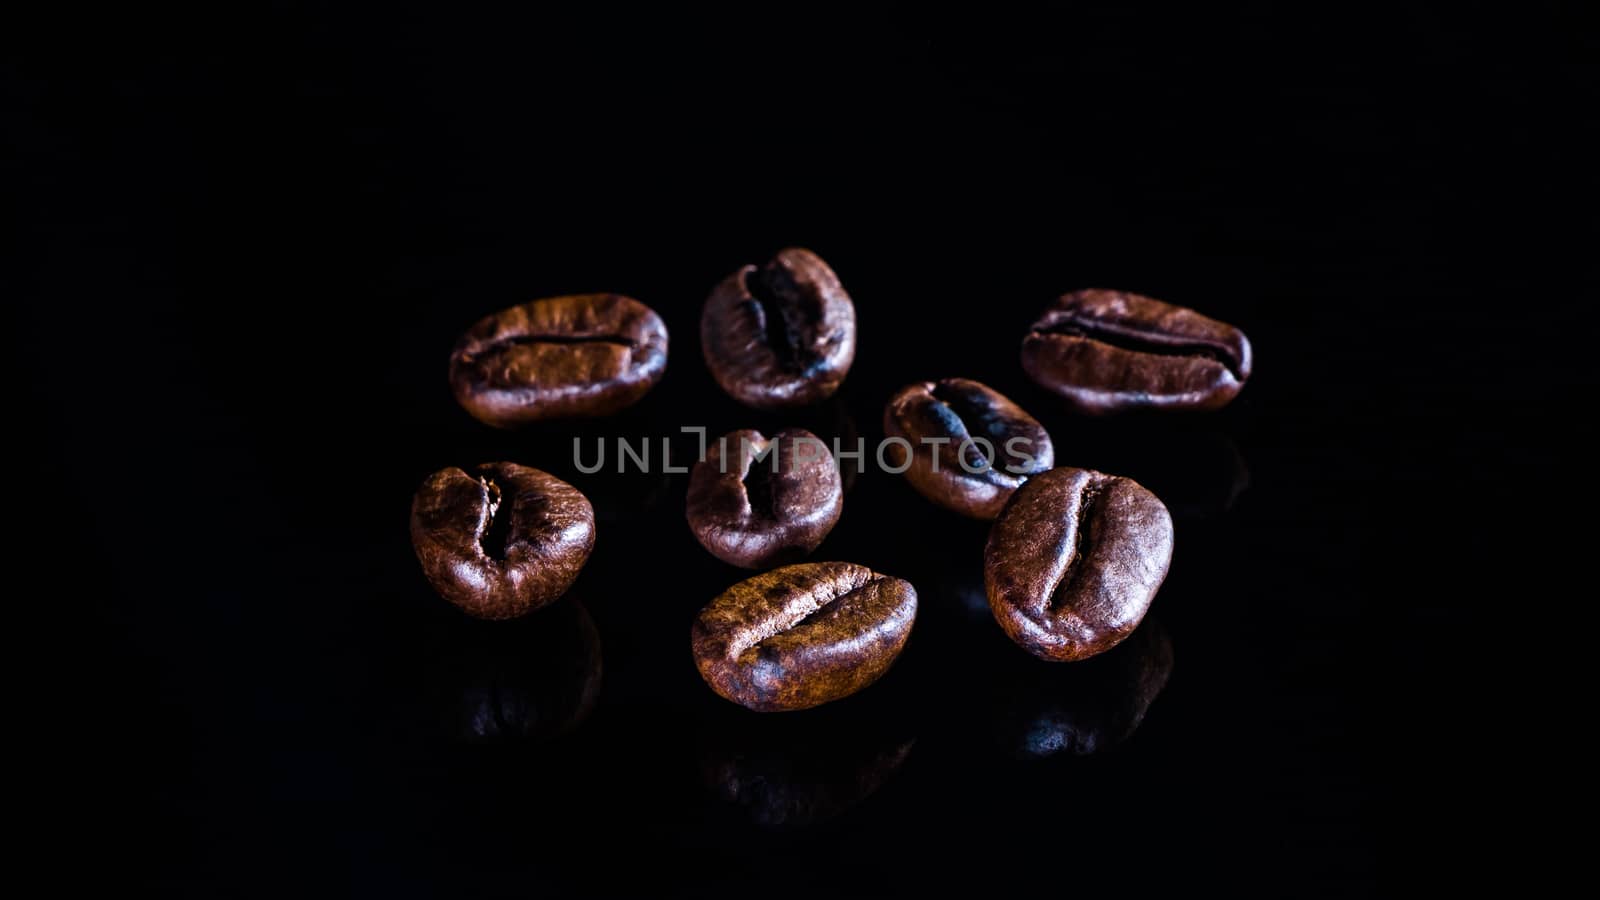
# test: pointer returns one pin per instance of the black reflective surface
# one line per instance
(251, 245)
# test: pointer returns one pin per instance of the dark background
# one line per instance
(248, 240)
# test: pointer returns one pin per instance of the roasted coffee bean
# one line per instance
(1108, 351)
(802, 635)
(561, 357)
(502, 541)
(757, 503)
(948, 425)
(1074, 560)
(782, 335)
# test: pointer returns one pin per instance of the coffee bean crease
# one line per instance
(1139, 340)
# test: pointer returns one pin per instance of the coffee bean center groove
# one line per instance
(969, 411)
(1088, 505)
(501, 345)
(776, 626)
(778, 300)
(1137, 341)
(497, 531)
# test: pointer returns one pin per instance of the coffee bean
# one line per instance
(560, 357)
(502, 541)
(782, 335)
(1108, 351)
(1074, 560)
(947, 424)
(802, 635)
(756, 503)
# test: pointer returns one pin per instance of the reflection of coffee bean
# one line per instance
(791, 789)
(782, 335)
(1074, 560)
(833, 424)
(1108, 351)
(1087, 708)
(799, 770)
(560, 357)
(624, 497)
(1201, 477)
(1198, 473)
(947, 423)
(802, 635)
(956, 589)
(502, 541)
(531, 679)
(755, 511)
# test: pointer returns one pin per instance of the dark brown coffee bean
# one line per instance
(561, 357)
(502, 541)
(756, 503)
(782, 335)
(947, 425)
(802, 635)
(1074, 560)
(1108, 351)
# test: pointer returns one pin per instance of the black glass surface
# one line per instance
(250, 243)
